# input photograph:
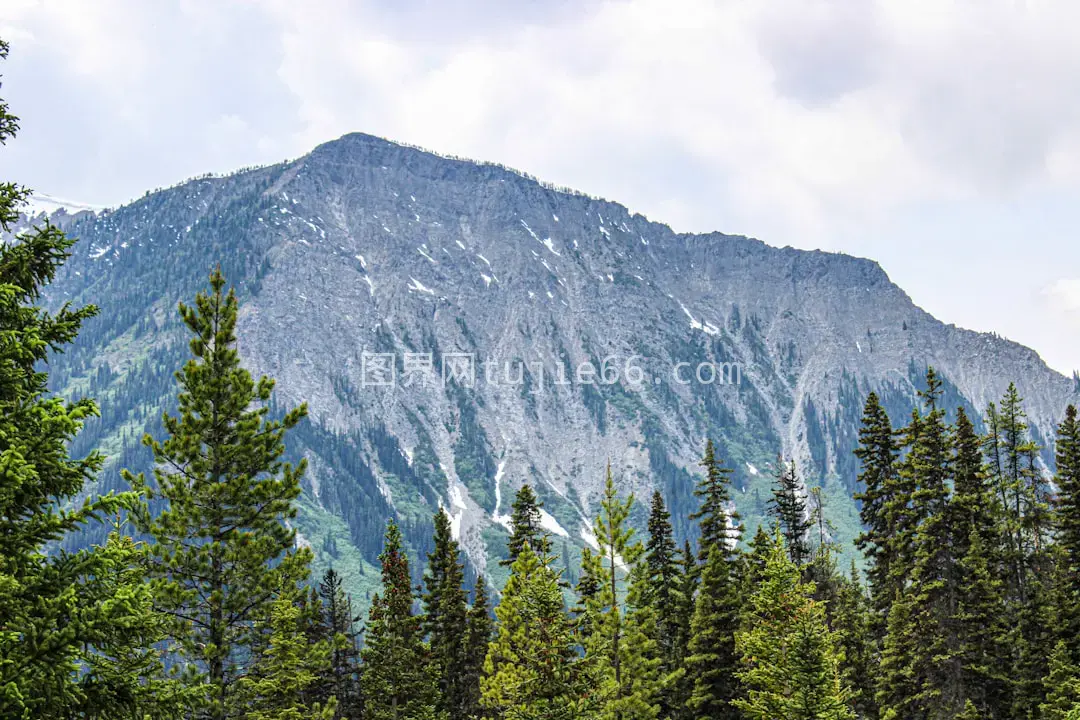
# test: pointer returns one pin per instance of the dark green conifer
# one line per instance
(222, 546)
(712, 659)
(526, 527)
(446, 620)
(396, 679)
(788, 507)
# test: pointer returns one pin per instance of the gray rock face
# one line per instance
(365, 247)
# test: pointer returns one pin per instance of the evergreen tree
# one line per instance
(1067, 522)
(532, 671)
(662, 596)
(790, 666)
(680, 684)
(277, 686)
(527, 529)
(222, 548)
(622, 645)
(788, 506)
(877, 451)
(979, 612)
(586, 591)
(480, 631)
(338, 626)
(852, 627)
(71, 624)
(712, 660)
(396, 680)
(919, 672)
(1062, 686)
(446, 620)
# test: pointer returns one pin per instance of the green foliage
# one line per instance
(280, 682)
(396, 680)
(712, 659)
(336, 626)
(532, 670)
(527, 530)
(1062, 685)
(446, 622)
(621, 644)
(790, 665)
(788, 506)
(1067, 521)
(222, 550)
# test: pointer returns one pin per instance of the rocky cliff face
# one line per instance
(365, 253)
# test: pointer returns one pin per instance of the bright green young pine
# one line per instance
(222, 547)
(280, 684)
(532, 670)
(1062, 685)
(396, 679)
(790, 666)
(622, 644)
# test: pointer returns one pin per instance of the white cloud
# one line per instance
(1065, 295)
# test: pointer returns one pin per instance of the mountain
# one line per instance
(367, 247)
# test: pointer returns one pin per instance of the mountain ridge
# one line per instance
(369, 245)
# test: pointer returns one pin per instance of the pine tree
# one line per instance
(532, 670)
(480, 631)
(586, 592)
(621, 644)
(877, 451)
(1062, 685)
(790, 666)
(662, 596)
(280, 682)
(527, 529)
(337, 625)
(712, 660)
(222, 548)
(396, 680)
(979, 611)
(788, 506)
(446, 620)
(920, 673)
(680, 684)
(853, 632)
(1067, 522)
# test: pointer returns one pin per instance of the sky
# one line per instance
(940, 138)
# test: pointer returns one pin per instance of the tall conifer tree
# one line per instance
(222, 547)
(446, 620)
(712, 660)
(788, 506)
(396, 680)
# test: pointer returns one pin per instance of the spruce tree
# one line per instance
(59, 611)
(852, 625)
(480, 630)
(712, 659)
(1067, 522)
(396, 680)
(621, 645)
(526, 527)
(532, 670)
(979, 610)
(789, 663)
(222, 547)
(680, 684)
(446, 619)
(338, 626)
(788, 506)
(662, 596)
(280, 683)
(1062, 685)
(877, 451)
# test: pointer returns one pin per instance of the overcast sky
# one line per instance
(940, 138)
